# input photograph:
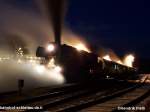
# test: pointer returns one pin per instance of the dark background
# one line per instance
(122, 25)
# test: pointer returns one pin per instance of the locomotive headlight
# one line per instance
(50, 48)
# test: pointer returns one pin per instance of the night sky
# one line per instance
(123, 26)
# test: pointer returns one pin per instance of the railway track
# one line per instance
(5, 94)
(13, 96)
(51, 92)
(85, 102)
(121, 103)
(144, 104)
(65, 102)
(87, 99)
(60, 95)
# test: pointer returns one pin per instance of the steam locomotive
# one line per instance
(80, 66)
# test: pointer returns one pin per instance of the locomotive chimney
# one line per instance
(56, 10)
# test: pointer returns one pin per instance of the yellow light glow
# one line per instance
(119, 62)
(58, 69)
(19, 48)
(107, 57)
(19, 61)
(40, 69)
(129, 59)
(51, 63)
(81, 47)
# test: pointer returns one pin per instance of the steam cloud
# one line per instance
(22, 28)
(28, 29)
(32, 74)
